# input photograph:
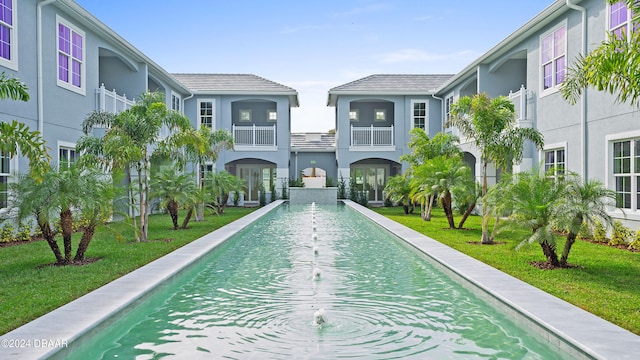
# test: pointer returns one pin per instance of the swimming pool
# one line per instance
(391, 313)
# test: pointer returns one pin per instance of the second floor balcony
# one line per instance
(110, 101)
(520, 101)
(372, 138)
(254, 138)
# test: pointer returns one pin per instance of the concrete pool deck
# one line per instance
(584, 335)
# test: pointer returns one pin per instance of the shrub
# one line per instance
(585, 231)
(284, 192)
(263, 196)
(274, 192)
(6, 232)
(599, 233)
(620, 234)
(24, 231)
(342, 188)
(635, 243)
(353, 189)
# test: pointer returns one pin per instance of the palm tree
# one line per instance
(220, 185)
(466, 198)
(444, 175)
(613, 66)
(11, 88)
(534, 199)
(61, 195)
(491, 124)
(584, 203)
(16, 136)
(174, 189)
(398, 190)
(131, 139)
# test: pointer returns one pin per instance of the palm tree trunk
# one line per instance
(48, 235)
(466, 214)
(448, 211)
(87, 235)
(405, 207)
(571, 239)
(172, 207)
(550, 253)
(187, 217)
(429, 207)
(132, 204)
(146, 198)
(66, 223)
(485, 209)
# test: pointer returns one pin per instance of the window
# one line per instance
(245, 115)
(8, 38)
(620, 19)
(206, 173)
(205, 112)
(419, 114)
(5, 172)
(272, 115)
(71, 67)
(354, 114)
(554, 163)
(553, 57)
(447, 107)
(176, 102)
(66, 156)
(380, 115)
(626, 173)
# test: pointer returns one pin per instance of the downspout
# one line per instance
(583, 97)
(40, 60)
(441, 110)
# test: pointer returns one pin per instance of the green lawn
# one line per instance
(606, 281)
(28, 289)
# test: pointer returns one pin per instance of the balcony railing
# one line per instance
(254, 136)
(519, 99)
(371, 136)
(112, 102)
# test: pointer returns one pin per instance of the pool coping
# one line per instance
(53, 332)
(594, 337)
(590, 335)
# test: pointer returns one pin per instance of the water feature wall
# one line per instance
(305, 196)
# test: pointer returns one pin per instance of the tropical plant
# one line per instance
(262, 197)
(16, 137)
(398, 190)
(620, 234)
(612, 67)
(465, 199)
(584, 204)
(533, 199)
(491, 124)
(444, 175)
(220, 185)
(130, 141)
(61, 195)
(424, 148)
(353, 189)
(342, 188)
(175, 189)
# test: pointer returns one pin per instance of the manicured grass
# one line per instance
(28, 289)
(606, 281)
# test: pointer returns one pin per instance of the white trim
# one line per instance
(555, 147)
(176, 96)
(82, 90)
(213, 112)
(426, 113)
(13, 38)
(609, 178)
(554, 87)
(67, 146)
(628, 27)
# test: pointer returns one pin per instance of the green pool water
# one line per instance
(255, 297)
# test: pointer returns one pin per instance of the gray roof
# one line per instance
(391, 84)
(313, 142)
(229, 84)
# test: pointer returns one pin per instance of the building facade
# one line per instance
(73, 64)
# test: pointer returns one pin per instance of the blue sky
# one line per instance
(313, 46)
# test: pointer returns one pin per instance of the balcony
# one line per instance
(254, 138)
(372, 138)
(520, 102)
(112, 102)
